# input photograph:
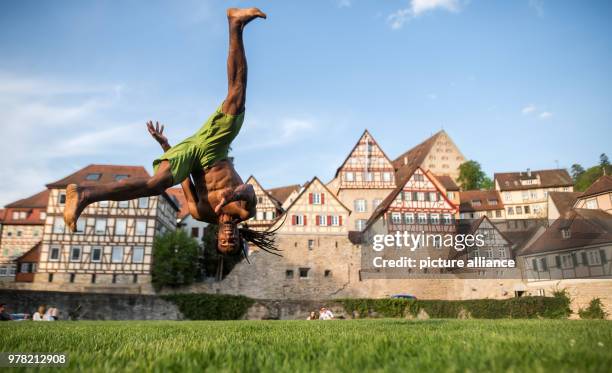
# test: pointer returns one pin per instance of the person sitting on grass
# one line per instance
(40, 314)
(4, 316)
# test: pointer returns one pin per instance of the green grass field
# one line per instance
(328, 346)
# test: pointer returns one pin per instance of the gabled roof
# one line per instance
(179, 196)
(275, 202)
(107, 175)
(416, 155)
(365, 132)
(384, 205)
(548, 179)
(601, 185)
(448, 183)
(307, 186)
(282, 193)
(564, 201)
(38, 200)
(468, 200)
(586, 228)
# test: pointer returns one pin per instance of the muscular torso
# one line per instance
(210, 184)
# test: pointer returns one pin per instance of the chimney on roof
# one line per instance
(529, 172)
(405, 160)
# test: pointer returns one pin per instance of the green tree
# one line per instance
(603, 160)
(472, 177)
(576, 171)
(588, 177)
(175, 259)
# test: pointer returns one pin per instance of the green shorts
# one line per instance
(206, 147)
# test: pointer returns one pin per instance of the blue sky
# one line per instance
(516, 84)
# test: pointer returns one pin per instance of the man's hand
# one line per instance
(157, 132)
(244, 192)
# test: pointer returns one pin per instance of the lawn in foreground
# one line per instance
(341, 345)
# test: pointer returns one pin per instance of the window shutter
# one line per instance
(574, 260)
(310, 198)
(322, 198)
(585, 260)
(534, 264)
(317, 219)
(340, 220)
(304, 219)
(328, 219)
(558, 261)
(293, 220)
(602, 254)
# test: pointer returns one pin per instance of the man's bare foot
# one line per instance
(73, 207)
(244, 15)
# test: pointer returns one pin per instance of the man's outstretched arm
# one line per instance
(191, 196)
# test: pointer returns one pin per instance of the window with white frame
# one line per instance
(360, 224)
(54, 253)
(447, 219)
(591, 204)
(567, 261)
(123, 204)
(58, 225)
(143, 202)
(507, 196)
(396, 218)
(433, 196)
(75, 254)
(407, 196)
(501, 252)
(138, 254)
(488, 253)
(594, 257)
(299, 219)
(510, 210)
(322, 220)
(120, 227)
(420, 196)
(117, 254)
(422, 218)
(103, 204)
(409, 218)
(387, 176)
(96, 254)
(368, 176)
(100, 227)
(360, 205)
(270, 215)
(519, 210)
(335, 220)
(259, 215)
(61, 198)
(349, 176)
(141, 227)
(316, 198)
(435, 219)
(418, 177)
(80, 226)
(43, 215)
(525, 195)
(450, 195)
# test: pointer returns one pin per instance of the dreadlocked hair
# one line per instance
(264, 240)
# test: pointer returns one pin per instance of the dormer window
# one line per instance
(493, 202)
(93, 177)
(121, 177)
(565, 233)
(476, 202)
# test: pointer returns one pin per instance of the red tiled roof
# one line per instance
(179, 196)
(564, 201)
(448, 183)
(468, 198)
(416, 155)
(586, 228)
(548, 179)
(30, 256)
(39, 200)
(282, 193)
(601, 185)
(107, 175)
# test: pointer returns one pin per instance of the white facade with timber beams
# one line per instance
(112, 248)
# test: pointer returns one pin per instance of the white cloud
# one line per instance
(528, 109)
(545, 115)
(538, 6)
(285, 132)
(419, 7)
(47, 126)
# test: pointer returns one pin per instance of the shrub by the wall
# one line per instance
(593, 311)
(211, 306)
(517, 308)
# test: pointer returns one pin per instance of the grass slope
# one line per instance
(320, 346)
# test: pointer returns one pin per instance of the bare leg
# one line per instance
(79, 197)
(236, 60)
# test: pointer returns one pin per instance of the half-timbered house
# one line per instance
(112, 248)
(268, 208)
